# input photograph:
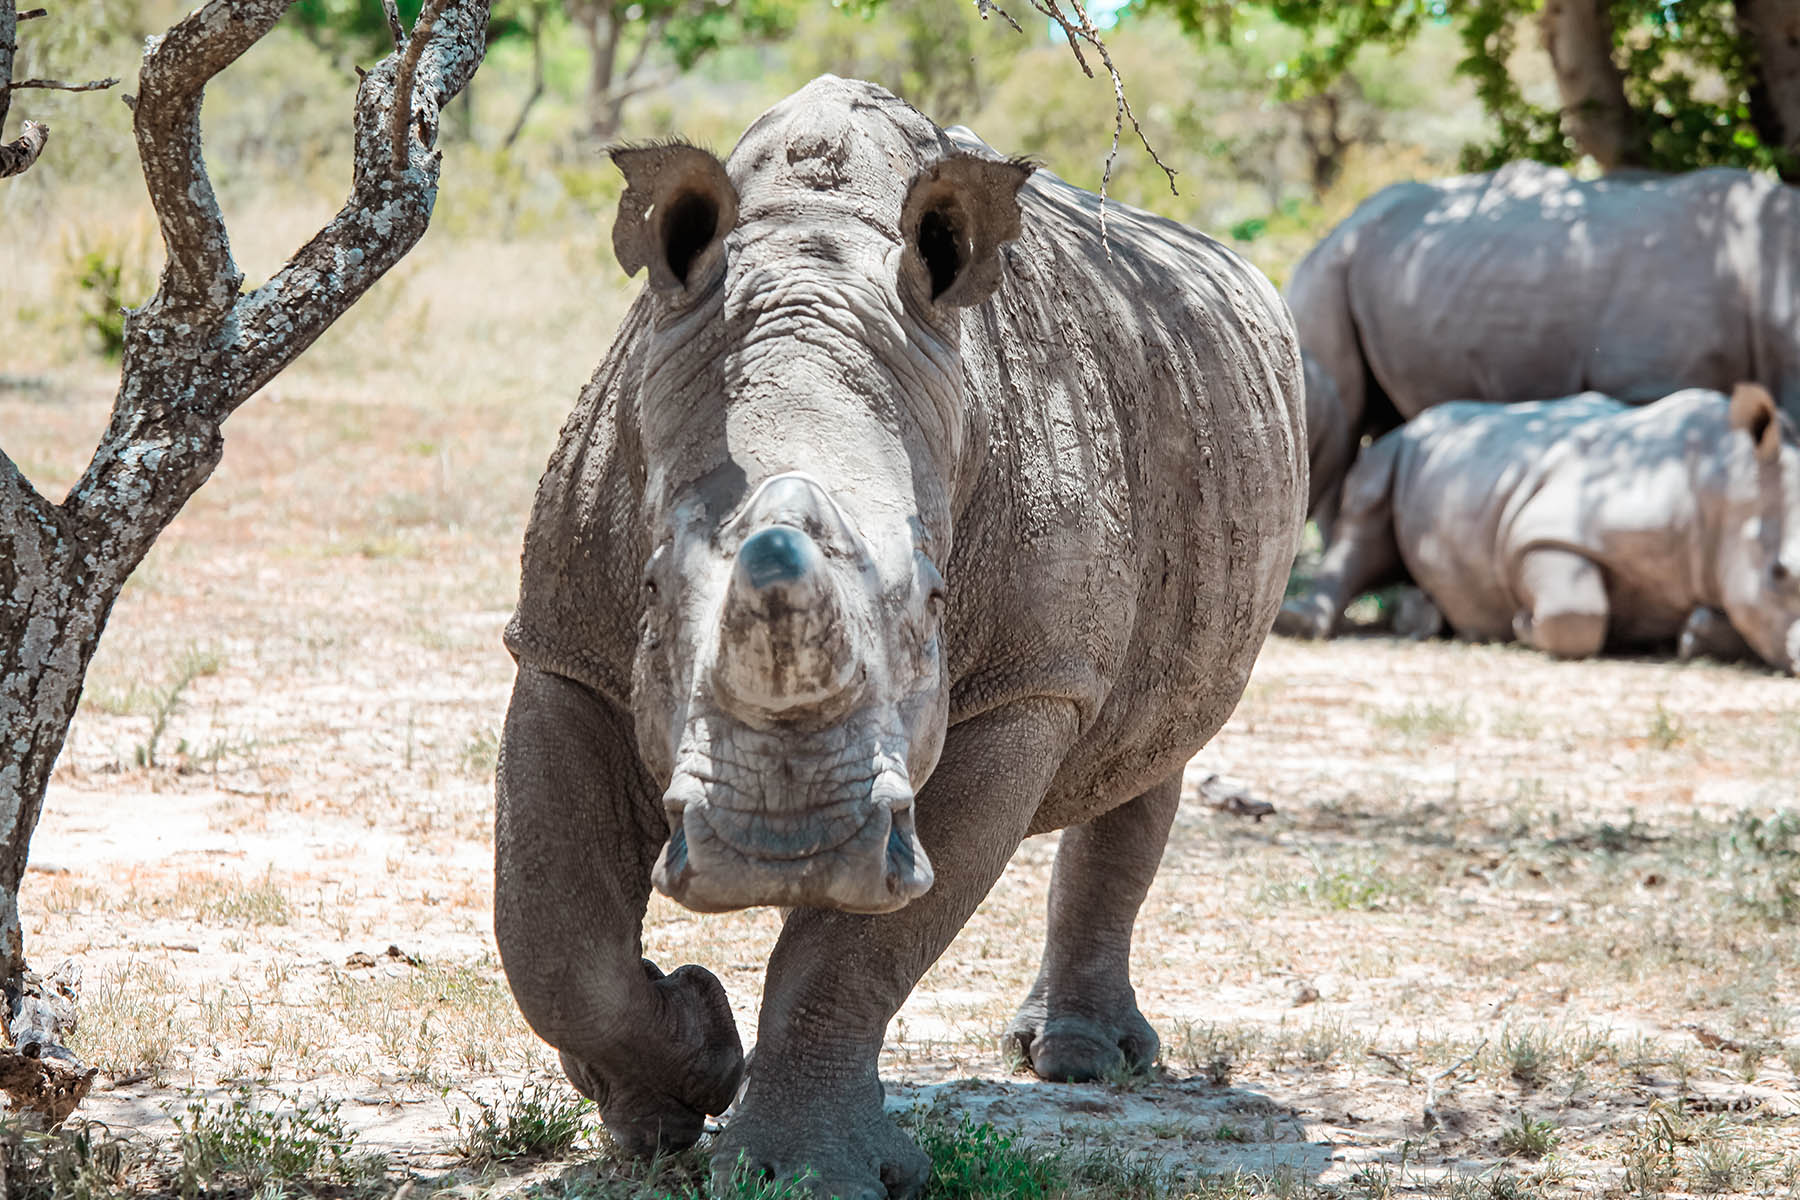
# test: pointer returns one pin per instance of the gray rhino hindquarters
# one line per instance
(1530, 284)
(901, 521)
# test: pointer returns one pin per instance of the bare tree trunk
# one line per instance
(1772, 29)
(604, 29)
(537, 80)
(1578, 36)
(196, 351)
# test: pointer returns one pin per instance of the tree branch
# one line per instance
(200, 273)
(22, 151)
(403, 83)
(92, 85)
(1078, 29)
(395, 29)
(387, 211)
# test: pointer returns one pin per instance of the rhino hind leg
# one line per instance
(1361, 553)
(574, 842)
(1564, 610)
(1080, 1020)
(1708, 633)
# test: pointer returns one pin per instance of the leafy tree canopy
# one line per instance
(1697, 89)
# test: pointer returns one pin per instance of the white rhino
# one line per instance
(1529, 284)
(903, 519)
(1580, 523)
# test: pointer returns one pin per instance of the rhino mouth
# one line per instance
(858, 854)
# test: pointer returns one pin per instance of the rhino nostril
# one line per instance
(776, 555)
(900, 853)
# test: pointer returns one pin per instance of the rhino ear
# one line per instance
(677, 208)
(958, 213)
(1753, 411)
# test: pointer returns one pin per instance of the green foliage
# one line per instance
(1761, 857)
(107, 272)
(538, 1122)
(1688, 74)
(82, 1160)
(237, 1146)
(977, 1161)
(1530, 1138)
(355, 27)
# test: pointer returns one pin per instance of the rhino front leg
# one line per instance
(1081, 1019)
(1708, 633)
(577, 829)
(813, 1103)
(1564, 609)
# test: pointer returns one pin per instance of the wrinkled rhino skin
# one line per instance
(1529, 284)
(900, 522)
(1582, 523)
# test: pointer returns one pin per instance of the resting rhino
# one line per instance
(1581, 523)
(900, 522)
(1529, 284)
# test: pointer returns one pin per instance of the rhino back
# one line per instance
(1530, 284)
(1143, 491)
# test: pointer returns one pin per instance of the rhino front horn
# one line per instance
(782, 642)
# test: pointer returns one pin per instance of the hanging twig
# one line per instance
(1080, 28)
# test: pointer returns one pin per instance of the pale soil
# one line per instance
(1480, 858)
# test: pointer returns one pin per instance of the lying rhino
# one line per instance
(902, 521)
(1581, 523)
(1528, 284)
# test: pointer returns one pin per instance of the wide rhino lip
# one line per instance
(859, 854)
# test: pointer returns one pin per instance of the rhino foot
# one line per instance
(1307, 616)
(1074, 1049)
(656, 1112)
(824, 1146)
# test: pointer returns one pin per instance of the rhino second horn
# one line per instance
(782, 643)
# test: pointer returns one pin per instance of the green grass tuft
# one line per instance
(233, 1147)
(541, 1121)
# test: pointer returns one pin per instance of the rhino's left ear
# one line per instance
(1753, 411)
(677, 208)
(958, 213)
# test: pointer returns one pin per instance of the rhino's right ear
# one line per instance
(677, 208)
(959, 211)
(1753, 411)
